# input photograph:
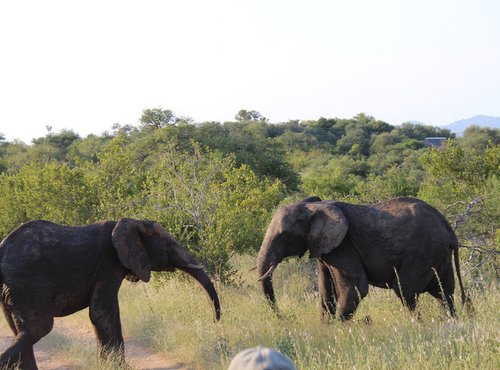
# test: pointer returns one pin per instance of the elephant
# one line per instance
(402, 244)
(49, 270)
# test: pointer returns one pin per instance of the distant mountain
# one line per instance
(458, 127)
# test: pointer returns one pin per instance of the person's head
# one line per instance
(261, 358)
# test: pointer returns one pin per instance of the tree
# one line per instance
(58, 147)
(61, 140)
(456, 176)
(464, 184)
(52, 191)
(391, 149)
(249, 115)
(87, 149)
(117, 179)
(396, 181)
(332, 177)
(355, 140)
(3, 144)
(249, 143)
(479, 138)
(155, 118)
(466, 170)
(420, 132)
(209, 203)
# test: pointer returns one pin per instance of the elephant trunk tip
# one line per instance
(267, 287)
(199, 274)
(217, 314)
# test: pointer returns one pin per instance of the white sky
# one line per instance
(85, 65)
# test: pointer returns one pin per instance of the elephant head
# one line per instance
(144, 246)
(310, 225)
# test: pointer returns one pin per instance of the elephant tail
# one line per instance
(466, 301)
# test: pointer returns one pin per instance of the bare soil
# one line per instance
(50, 351)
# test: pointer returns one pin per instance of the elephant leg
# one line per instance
(104, 314)
(409, 282)
(9, 319)
(30, 329)
(350, 291)
(29, 315)
(446, 302)
(326, 291)
(442, 288)
(349, 277)
(20, 353)
(407, 296)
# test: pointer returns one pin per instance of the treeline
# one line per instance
(215, 185)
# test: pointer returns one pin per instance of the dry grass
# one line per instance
(173, 316)
(176, 318)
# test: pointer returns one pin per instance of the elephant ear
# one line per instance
(131, 250)
(328, 228)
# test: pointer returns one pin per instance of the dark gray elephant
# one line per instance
(403, 244)
(48, 270)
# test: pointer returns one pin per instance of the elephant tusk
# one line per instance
(269, 272)
(193, 266)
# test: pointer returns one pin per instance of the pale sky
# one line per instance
(85, 65)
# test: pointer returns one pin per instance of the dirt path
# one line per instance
(68, 332)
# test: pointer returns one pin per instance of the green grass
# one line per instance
(173, 316)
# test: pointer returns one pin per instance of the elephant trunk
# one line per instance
(202, 278)
(267, 288)
(267, 261)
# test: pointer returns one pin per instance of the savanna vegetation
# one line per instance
(215, 185)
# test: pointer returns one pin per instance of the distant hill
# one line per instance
(458, 127)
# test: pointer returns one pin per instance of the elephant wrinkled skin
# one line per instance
(403, 244)
(49, 270)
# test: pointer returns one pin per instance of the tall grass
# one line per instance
(175, 318)
(172, 315)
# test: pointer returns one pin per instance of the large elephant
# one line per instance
(49, 270)
(403, 244)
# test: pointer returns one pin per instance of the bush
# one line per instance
(52, 191)
(209, 204)
(463, 184)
